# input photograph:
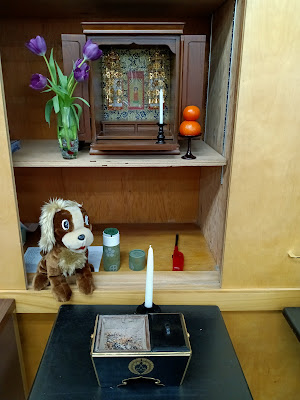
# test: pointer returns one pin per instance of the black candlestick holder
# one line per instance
(141, 309)
(161, 135)
(188, 155)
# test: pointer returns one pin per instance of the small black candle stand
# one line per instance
(141, 309)
(189, 155)
(161, 135)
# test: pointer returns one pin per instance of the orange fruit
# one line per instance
(191, 113)
(190, 128)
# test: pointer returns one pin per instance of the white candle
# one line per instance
(149, 279)
(161, 107)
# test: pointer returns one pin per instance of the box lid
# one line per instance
(168, 333)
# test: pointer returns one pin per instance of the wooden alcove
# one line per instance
(150, 197)
(259, 216)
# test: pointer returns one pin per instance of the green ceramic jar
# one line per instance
(111, 249)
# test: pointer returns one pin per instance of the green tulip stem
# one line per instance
(71, 83)
(74, 87)
(49, 69)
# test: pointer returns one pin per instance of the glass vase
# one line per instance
(67, 133)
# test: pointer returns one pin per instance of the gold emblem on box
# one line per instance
(141, 366)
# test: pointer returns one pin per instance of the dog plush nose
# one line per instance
(81, 237)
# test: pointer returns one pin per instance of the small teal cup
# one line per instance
(137, 260)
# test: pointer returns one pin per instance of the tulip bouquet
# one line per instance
(64, 103)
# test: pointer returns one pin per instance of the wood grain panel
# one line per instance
(126, 280)
(263, 216)
(212, 210)
(11, 384)
(20, 354)
(173, 292)
(268, 351)
(18, 66)
(221, 39)
(215, 181)
(114, 195)
(7, 307)
(193, 77)
(11, 265)
(11, 362)
(34, 332)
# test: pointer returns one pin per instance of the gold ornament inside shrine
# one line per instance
(113, 78)
(156, 71)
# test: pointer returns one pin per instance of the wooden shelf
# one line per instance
(199, 269)
(45, 153)
(199, 265)
(197, 256)
(132, 281)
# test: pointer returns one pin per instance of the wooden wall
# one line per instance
(263, 221)
(221, 40)
(221, 108)
(267, 349)
(114, 195)
(34, 331)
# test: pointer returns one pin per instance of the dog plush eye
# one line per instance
(65, 224)
(86, 220)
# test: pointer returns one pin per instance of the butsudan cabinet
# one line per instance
(138, 60)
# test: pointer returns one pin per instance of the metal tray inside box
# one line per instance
(122, 333)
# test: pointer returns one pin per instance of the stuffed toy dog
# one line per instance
(66, 234)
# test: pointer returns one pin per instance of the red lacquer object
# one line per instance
(178, 257)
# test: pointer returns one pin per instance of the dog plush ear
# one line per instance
(49, 209)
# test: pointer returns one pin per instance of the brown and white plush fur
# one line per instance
(65, 236)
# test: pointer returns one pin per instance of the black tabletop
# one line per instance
(292, 315)
(66, 371)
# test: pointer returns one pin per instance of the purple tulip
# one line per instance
(81, 73)
(91, 51)
(77, 63)
(37, 46)
(38, 82)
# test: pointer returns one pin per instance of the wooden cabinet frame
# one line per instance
(252, 279)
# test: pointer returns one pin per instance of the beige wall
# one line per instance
(11, 260)
(263, 221)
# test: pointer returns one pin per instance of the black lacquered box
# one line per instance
(129, 347)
